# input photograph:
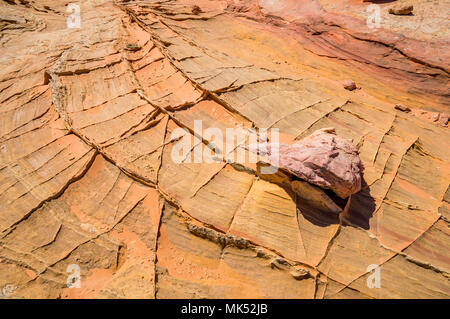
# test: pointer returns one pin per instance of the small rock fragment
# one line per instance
(278, 263)
(299, 273)
(437, 118)
(434, 116)
(196, 10)
(349, 85)
(401, 9)
(133, 47)
(444, 119)
(402, 108)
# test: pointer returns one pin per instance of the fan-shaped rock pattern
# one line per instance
(87, 128)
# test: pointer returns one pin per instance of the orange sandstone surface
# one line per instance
(88, 116)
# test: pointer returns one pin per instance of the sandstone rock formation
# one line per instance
(322, 159)
(87, 176)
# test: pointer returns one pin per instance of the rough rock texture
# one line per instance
(349, 85)
(86, 170)
(322, 159)
(434, 117)
(402, 108)
(401, 9)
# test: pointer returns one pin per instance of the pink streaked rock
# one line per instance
(323, 159)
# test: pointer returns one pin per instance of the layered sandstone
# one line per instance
(87, 124)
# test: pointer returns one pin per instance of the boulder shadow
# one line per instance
(361, 208)
(322, 207)
(356, 210)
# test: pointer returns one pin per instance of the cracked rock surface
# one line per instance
(87, 176)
